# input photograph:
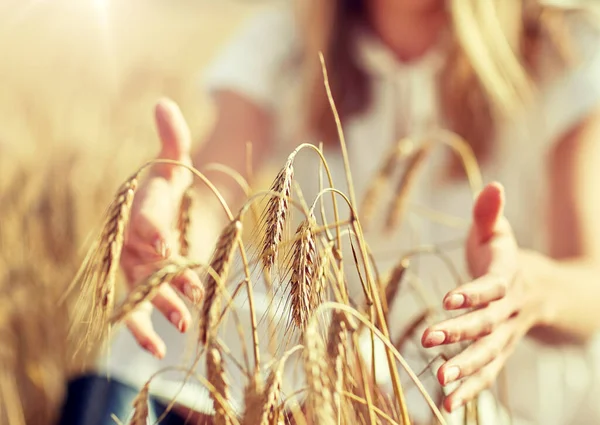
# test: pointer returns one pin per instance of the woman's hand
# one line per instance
(502, 305)
(150, 237)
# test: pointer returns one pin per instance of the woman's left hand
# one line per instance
(502, 305)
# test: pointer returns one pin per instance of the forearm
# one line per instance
(569, 292)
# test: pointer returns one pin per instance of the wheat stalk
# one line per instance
(220, 263)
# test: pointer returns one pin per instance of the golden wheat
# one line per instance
(305, 268)
(215, 373)
(276, 215)
(219, 268)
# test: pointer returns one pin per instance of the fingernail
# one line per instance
(177, 320)
(451, 374)
(161, 247)
(434, 338)
(194, 293)
(455, 301)
(152, 350)
(456, 403)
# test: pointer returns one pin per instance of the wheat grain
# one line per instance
(220, 263)
(276, 214)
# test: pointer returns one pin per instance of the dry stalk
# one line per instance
(97, 274)
(216, 376)
(183, 222)
(220, 264)
(260, 399)
(305, 267)
(254, 401)
(149, 288)
(276, 214)
(407, 180)
(320, 405)
(140, 407)
(402, 148)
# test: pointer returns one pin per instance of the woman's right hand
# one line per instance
(151, 237)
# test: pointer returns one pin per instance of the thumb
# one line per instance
(488, 212)
(173, 131)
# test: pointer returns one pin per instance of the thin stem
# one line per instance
(376, 409)
(330, 178)
(377, 302)
(386, 341)
(338, 124)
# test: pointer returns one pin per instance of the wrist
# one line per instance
(538, 272)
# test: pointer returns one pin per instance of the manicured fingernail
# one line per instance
(153, 350)
(434, 338)
(451, 374)
(194, 293)
(456, 403)
(455, 301)
(160, 247)
(177, 320)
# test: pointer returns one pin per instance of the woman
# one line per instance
(519, 80)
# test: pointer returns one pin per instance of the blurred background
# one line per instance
(79, 82)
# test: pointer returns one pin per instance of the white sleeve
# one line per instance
(252, 62)
(570, 97)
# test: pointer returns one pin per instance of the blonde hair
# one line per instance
(490, 70)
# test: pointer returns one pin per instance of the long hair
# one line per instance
(490, 69)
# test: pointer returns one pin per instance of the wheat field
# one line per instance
(81, 78)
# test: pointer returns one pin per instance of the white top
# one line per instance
(546, 385)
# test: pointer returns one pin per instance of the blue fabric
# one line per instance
(91, 400)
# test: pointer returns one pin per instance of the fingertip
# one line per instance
(454, 301)
(190, 285)
(432, 338)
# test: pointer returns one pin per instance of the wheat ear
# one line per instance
(384, 174)
(276, 214)
(336, 351)
(149, 288)
(183, 222)
(216, 376)
(305, 267)
(392, 285)
(140, 407)
(398, 208)
(319, 399)
(219, 265)
(97, 274)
